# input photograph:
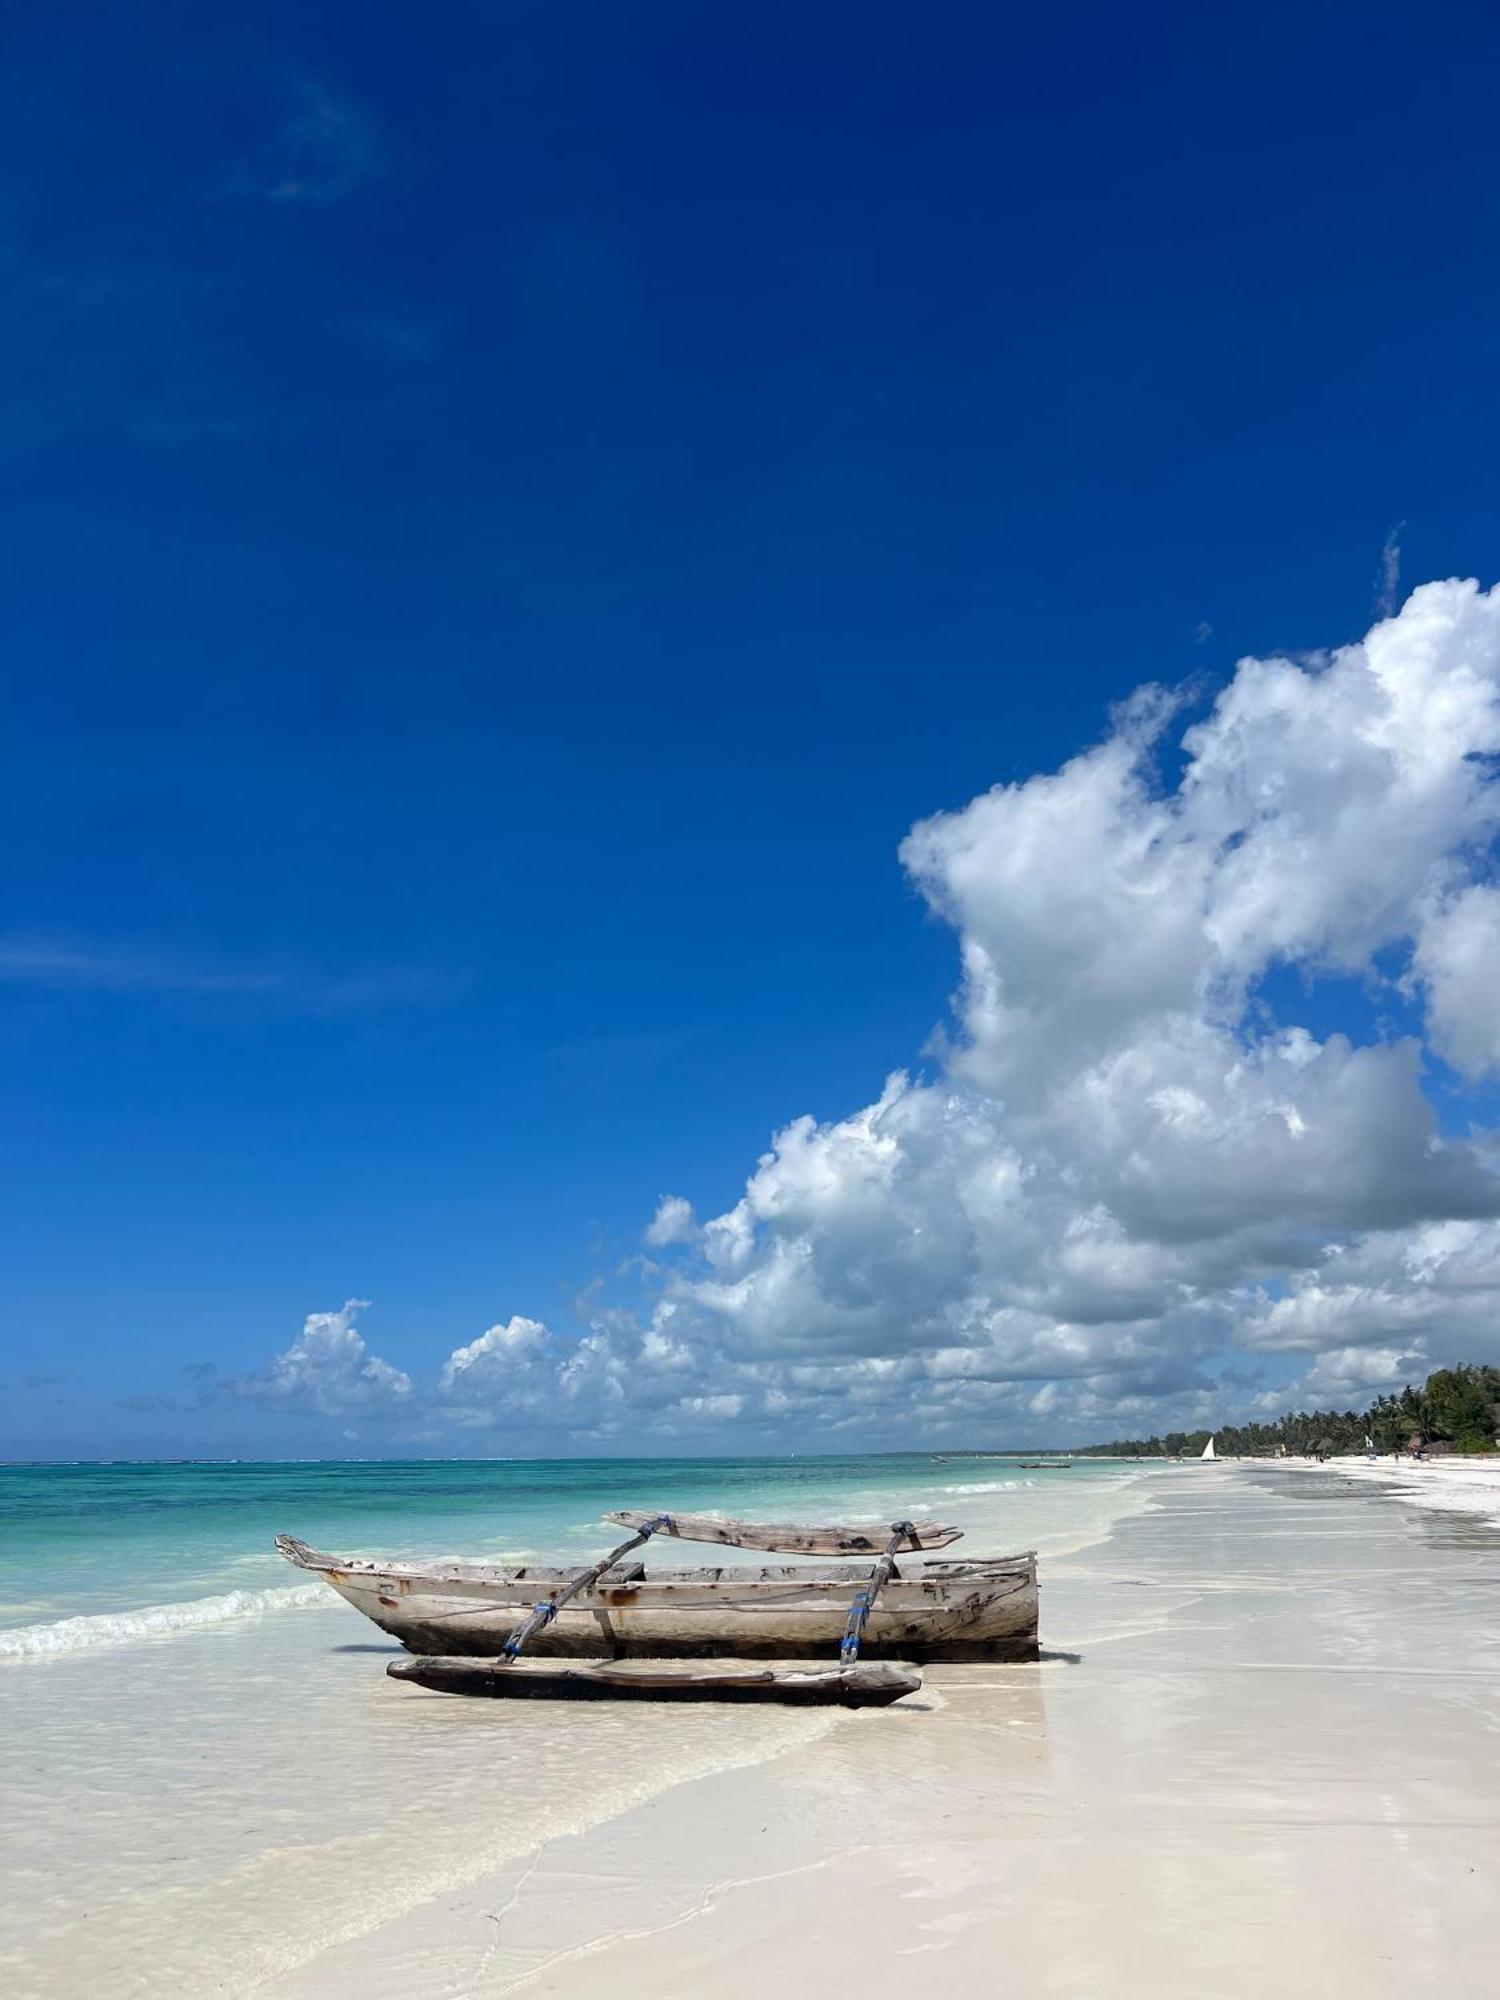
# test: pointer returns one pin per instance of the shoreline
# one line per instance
(1251, 1751)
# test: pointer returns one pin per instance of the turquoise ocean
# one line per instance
(209, 1776)
(120, 1543)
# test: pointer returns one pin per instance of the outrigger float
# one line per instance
(610, 1630)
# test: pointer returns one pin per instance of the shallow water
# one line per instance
(208, 1773)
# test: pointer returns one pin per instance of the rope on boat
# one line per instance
(543, 1613)
(864, 1599)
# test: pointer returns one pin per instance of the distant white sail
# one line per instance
(1208, 1450)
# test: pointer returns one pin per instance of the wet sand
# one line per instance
(1263, 1751)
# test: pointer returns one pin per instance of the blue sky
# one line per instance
(510, 520)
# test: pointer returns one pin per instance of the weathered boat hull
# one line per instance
(872, 1686)
(982, 1609)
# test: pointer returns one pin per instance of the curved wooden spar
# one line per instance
(789, 1539)
(543, 1613)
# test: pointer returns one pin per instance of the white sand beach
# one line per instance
(1455, 1485)
(1261, 1753)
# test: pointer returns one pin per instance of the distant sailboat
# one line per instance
(1208, 1450)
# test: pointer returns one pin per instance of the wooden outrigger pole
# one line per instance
(873, 1684)
(789, 1540)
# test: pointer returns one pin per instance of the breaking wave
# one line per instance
(123, 1628)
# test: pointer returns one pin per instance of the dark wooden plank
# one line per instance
(865, 1686)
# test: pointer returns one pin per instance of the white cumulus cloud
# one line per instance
(328, 1368)
(1167, 1145)
(502, 1355)
(673, 1222)
(1136, 1155)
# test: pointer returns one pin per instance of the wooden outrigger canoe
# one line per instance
(928, 1609)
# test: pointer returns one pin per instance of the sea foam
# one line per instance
(151, 1621)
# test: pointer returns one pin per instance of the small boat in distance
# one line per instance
(1046, 1464)
(469, 1620)
(1208, 1450)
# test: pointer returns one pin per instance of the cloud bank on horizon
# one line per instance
(1136, 1189)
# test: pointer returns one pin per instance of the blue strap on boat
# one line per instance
(854, 1631)
(541, 1614)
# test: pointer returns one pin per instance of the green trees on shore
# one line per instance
(1458, 1406)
